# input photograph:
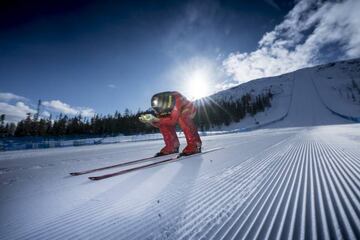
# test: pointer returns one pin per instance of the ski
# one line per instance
(116, 165)
(168, 160)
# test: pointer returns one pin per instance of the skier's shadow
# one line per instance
(167, 207)
(162, 201)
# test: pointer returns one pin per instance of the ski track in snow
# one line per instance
(297, 179)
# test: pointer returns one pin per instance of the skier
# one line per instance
(172, 108)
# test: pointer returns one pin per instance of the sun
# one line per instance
(198, 84)
(196, 77)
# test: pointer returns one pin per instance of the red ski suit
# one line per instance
(183, 113)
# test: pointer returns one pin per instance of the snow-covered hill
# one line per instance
(295, 178)
(307, 97)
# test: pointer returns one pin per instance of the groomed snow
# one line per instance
(289, 182)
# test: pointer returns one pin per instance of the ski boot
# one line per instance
(166, 151)
(190, 150)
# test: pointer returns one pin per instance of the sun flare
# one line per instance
(196, 77)
(198, 85)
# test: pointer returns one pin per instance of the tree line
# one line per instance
(112, 124)
(217, 113)
(211, 113)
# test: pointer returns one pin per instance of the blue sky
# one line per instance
(101, 56)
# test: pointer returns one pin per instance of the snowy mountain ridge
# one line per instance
(336, 86)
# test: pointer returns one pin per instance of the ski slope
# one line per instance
(306, 108)
(307, 97)
(297, 178)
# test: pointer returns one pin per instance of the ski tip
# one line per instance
(74, 174)
(94, 178)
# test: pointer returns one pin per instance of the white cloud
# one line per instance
(58, 106)
(45, 114)
(87, 112)
(111, 86)
(17, 112)
(61, 107)
(312, 32)
(6, 96)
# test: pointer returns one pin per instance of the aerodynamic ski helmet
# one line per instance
(163, 103)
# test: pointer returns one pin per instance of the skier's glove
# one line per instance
(148, 118)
